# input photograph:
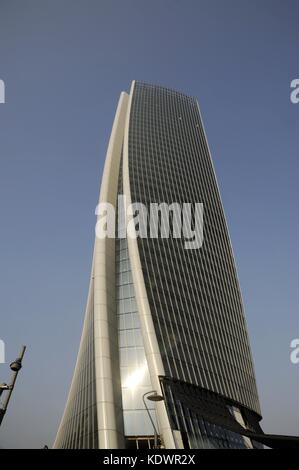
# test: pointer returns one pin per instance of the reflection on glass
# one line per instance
(135, 378)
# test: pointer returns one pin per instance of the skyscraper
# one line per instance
(161, 319)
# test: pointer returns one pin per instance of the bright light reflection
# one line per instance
(136, 377)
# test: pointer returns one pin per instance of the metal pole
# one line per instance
(11, 387)
(149, 415)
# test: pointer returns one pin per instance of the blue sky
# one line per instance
(64, 65)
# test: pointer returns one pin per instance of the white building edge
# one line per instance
(101, 307)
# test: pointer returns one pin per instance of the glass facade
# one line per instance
(194, 295)
(204, 419)
(135, 378)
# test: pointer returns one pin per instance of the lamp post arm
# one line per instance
(148, 412)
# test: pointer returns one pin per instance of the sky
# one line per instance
(64, 64)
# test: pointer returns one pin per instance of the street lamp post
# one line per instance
(15, 367)
(153, 396)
